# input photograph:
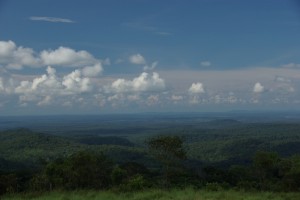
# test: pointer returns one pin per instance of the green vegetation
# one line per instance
(169, 151)
(221, 158)
(175, 194)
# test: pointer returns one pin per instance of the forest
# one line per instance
(145, 153)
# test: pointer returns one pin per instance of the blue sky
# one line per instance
(102, 56)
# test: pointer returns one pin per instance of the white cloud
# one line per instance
(14, 57)
(137, 59)
(258, 88)
(51, 19)
(48, 86)
(43, 85)
(134, 97)
(77, 88)
(196, 88)
(194, 99)
(143, 83)
(64, 56)
(6, 84)
(46, 101)
(282, 84)
(75, 83)
(152, 67)
(115, 97)
(6, 48)
(291, 65)
(2, 89)
(176, 97)
(282, 79)
(92, 71)
(205, 63)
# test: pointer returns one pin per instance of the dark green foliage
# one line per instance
(8, 183)
(119, 176)
(23, 148)
(88, 170)
(101, 140)
(28, 148)
(79, 171)
(290, 172)
(13, 182)
(216, 155)
(169, 151)
(133, 168)
(135, 183)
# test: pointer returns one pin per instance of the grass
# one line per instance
(185, 194)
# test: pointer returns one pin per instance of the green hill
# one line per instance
(21, 148)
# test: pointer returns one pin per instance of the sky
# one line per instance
(114, 56)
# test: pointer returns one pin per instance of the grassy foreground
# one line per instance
(186, 194)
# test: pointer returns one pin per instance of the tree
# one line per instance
(169, 151)
(89, 170)
(266, 168)
(291, 173)
(82, 170)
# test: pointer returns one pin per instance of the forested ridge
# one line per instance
(243, 156)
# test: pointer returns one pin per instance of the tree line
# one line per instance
(89, 170)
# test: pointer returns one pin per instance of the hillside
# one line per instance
(21, 148)
(221, 142)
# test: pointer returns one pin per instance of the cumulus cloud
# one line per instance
(49, 85)
(75, 83)
(176, 97)
(258, 88)
(51, 19)
(46, 101)
(205, 63)
(196, 88)
(14, 57)
(92, 71)
(143, 83)
(137, 59)
(17, 57)
(64, 56)
(45, 84)
(153, 100)
(151, 67)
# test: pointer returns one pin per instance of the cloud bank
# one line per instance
(143, 83)
(72, 80)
